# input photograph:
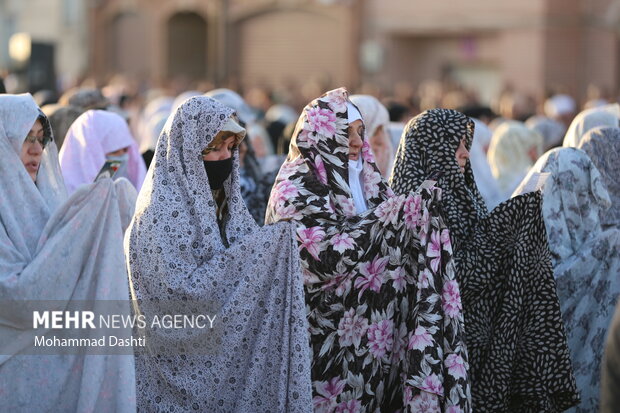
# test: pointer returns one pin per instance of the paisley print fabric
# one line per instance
(586, 260)
(176, 253)
(519, 359)
(254, 182)
(383, 305)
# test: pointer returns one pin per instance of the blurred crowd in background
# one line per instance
(511, 133)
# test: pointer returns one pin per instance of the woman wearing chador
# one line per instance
(383, 305)
(519, 359)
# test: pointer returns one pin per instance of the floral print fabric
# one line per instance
(384, 307)
(519, 359)
(586, 260)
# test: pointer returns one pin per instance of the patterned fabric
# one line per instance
(150, 122)
(605, 116)
(509, 154)
(54, 248)
(384, 308)
(519, 359)
(586, 260)
(255, 184)
(175, 253)
(610, 368)
(603, 146)
(438, 134)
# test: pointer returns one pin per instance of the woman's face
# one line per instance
(377, 142)
(532, 153)
(356, 135)
(32, 149)
(222, 150)
(462, 155)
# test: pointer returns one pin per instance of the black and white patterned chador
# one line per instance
(519, 360)
(261, 359)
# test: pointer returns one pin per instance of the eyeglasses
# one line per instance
(43, 140)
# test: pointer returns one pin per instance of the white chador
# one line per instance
(67, 250)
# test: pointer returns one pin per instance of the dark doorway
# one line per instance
(41, 71)
(187, 46)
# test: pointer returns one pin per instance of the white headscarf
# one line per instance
(66, 250)
(559, 105)
(152, 121)
(551, 130)
(487, 185)
(356, 167)
(508, 154)
(588, 119)
(375, 115)
(94, 134)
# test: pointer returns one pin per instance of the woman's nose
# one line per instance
(225, 154)
(36, 148)
(356, 142)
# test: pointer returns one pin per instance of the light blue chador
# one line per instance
(586, 260)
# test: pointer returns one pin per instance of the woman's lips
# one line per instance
(32, 166)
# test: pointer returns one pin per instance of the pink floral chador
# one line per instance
(383, 304)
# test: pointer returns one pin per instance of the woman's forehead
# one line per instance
(37, 126)
(356, 124)
(223, 139)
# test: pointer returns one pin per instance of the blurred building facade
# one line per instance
(224, 41)
(57, 43)
(532, 45)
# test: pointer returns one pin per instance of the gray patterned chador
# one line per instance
(184, 245)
